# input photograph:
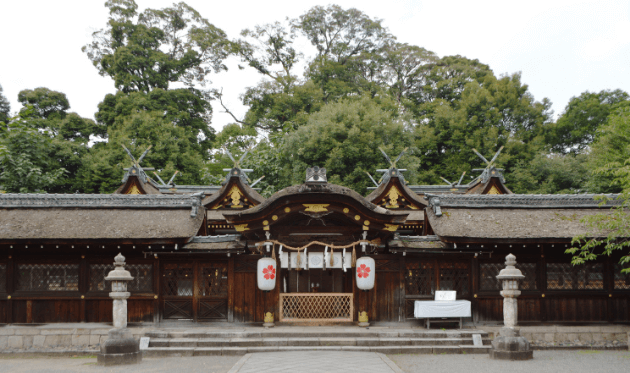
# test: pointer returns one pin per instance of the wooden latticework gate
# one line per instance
(195, 291)
(316, 307)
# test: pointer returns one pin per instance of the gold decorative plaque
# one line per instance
(241, 227)
(316, 208)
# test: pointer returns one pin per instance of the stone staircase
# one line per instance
(203, 343)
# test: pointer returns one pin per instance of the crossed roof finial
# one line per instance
(135, 168)
(236, 169)
(453, 184)
(391, 171)
(485, 172)
(491, 162)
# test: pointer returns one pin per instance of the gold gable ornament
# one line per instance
(316, 207)
(235, 194)
(393, 196)
(134, 190)
(494, 190)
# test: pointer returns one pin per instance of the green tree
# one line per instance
(550, 174)
(343, 137)
(173, 122)
(575, 129)
(47, 111)
(25, 162)
(490, 113)
(5, 107)
(609, 232)
(143, 51)
(609, 151)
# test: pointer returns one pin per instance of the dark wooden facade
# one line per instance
(176, 286)
(47, 276)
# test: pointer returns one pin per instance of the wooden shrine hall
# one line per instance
(194, 252)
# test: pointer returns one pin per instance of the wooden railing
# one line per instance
(316, 307)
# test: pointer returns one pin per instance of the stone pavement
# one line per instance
(315, 362)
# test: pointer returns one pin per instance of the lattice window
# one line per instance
(3, 277)
(455, 276)
(565, 276)
(488, 276)
(308, 307)
(177, 280)
(213, 280)
(421, 280)
(47, 277)
(98, 272)
(142, 277)
(622, 280)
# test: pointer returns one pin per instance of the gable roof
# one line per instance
(99, 217)
(515, 217)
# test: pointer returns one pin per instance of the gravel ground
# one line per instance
(35, 363)
(544, 361)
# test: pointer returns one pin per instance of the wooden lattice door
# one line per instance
(195, 291)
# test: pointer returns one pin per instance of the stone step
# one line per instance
(316, 334)
(299, 342)
(205, 351)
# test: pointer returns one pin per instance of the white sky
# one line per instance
(562, 48)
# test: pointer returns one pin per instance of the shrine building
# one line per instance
(194, 252)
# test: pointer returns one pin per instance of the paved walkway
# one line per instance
(583, 361)
(315, 362)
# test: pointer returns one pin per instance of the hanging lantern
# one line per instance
(266, 274)
(365, 273)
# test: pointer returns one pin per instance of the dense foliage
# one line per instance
(348, 89)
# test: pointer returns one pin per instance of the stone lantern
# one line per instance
(120, 346)
(510, 345)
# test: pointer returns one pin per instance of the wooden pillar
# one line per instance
(542, 278)
(402, 304)
(84, 285)
(156, 290)
(475, 288)
(10, 287)
(230, 302)
(609, 286)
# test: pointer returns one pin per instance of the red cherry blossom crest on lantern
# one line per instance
(363, 271)
(269, 272)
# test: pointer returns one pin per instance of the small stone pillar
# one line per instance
(120, 346)
(510, 345)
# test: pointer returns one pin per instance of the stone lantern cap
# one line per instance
(510, 272)
(119, 273)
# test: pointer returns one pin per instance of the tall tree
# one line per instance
(26, 165)
(147, 50)
(576, 127)
(5, 107)
(609, 230)
(489, 113)
(47, 111)
(343, 137)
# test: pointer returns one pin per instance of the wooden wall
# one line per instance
(78, 303)
(399, 282)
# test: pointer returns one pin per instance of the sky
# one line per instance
(561, 48)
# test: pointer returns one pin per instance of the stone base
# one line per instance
(268, 324)
(119, 359)
(509, 345)
(119, 348)
(364, 324)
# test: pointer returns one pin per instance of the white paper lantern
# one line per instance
(365, 273)
(266, 274)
